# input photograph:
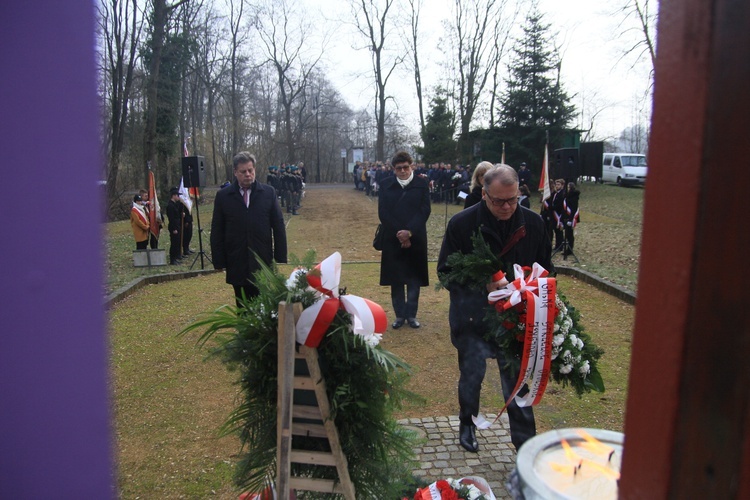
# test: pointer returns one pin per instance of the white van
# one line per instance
(624, 168)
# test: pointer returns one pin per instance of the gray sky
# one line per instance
(590, 34)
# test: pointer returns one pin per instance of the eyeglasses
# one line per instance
(398, 169)
(499, 202)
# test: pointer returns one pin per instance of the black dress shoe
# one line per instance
(398, 323)
(467, 437)
(413, 323)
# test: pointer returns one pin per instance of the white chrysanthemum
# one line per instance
(577, 359)
(565, 369)
(585, 368)
(372, 339)
(473, 491)
(557, 340)
(567, 356)
(573, 338)
(555, 352)
(557, 327)
(564, 328)
(579, 344)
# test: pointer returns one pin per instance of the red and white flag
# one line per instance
(544, 178)
(154, 209)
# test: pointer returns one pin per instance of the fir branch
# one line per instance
(474, 269)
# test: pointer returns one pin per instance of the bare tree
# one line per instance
(646, 20)
(475, 30)
(120, 26)
(287, 41)
(211, 65)
(416, 7)
(236, 64)
(373, 23)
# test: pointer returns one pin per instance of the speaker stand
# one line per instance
(200, 253)
(566, 250)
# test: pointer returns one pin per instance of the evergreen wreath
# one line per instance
(365, 384)
(574, 355)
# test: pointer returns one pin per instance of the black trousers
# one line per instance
(473, 352)
(405, 305)
(250, 291)
(141, 245)
(187, 237)
(175, 250)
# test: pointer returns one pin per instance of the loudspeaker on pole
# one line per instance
(194, 171)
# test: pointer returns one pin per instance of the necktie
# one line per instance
(246, 197)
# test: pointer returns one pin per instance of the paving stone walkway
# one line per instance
(441, 456)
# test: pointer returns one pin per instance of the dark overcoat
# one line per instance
(237, 231)
(404, 208)
(468, 304)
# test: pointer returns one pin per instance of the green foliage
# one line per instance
(535, 106)
(505, 330)
(364, 384)
(474, 269)
(535, 97)
(437, 136)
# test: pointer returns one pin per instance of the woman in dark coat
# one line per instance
(403, 209)
(477, 181)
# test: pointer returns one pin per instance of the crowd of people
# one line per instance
(445, 182)
(248, 228)
(289, 182)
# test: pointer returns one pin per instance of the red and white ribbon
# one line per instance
(368, 318)
(539, 292)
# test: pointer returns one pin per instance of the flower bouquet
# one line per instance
(467, 488)
(573, 355)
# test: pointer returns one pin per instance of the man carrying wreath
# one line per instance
(516, 235)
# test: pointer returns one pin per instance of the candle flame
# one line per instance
(569, 453)
(594, 445)
(576, 461)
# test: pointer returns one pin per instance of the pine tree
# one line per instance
(535, 102)
(438, 135)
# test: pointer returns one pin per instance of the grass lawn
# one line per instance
(168, 403)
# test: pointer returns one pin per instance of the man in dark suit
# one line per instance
(517, 236)
(174, 213)
(247, 221)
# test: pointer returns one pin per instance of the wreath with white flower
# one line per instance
(365, 385)
(574, 356)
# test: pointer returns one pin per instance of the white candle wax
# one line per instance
(547, 472)
(594, 479)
